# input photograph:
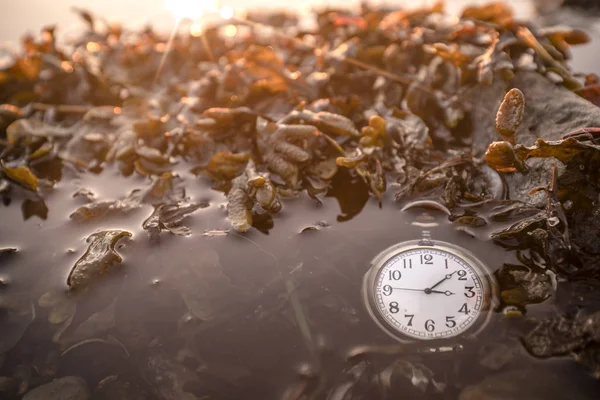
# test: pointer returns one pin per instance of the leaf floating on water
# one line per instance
(98, 259)
(21, 175)
(101, 208)
(249, 189)
(167, 188)
(239, 205)
(170, 217)
(510, 114)
(316, 227)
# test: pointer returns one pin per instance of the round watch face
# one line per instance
(428, 292)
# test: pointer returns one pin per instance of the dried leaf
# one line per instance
(239, 205)
(170, 217)
(563, 150)
(510, 114)
(501, 156)
(497, 12)
(227, 165)
(34, 127)
(21, 175)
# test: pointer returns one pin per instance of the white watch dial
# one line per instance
(428, 293)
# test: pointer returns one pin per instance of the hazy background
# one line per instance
(29, 16)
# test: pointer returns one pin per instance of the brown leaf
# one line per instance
(510, 114)
(99, 257)
(21, 175)
(562, 150)
(501, 156)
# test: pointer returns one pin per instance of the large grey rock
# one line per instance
(551, 111)
(67, 388)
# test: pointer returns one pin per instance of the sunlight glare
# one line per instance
(230, 30)
(192, 9)
(226, 12)
(196, 29)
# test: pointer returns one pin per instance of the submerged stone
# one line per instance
(67, 388)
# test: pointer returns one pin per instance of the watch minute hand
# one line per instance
(413, 290)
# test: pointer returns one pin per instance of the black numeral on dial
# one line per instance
(469, 292)
(395, 275)
(462, 275)
(394, 307)
(387, 290)
(464, 309)
(427, 259)
(407, 263)
(410, 318)
(429, 325)
(450, 322)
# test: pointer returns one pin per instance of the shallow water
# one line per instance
(212, 315)
(228, 316)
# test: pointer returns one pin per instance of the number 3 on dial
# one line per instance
(417, 292)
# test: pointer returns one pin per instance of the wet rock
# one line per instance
(550, 112)
(524, 384)
(562, 335)
(66, 388)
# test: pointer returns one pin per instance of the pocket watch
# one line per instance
(426, 288)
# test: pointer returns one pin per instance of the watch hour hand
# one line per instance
(448, 276)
